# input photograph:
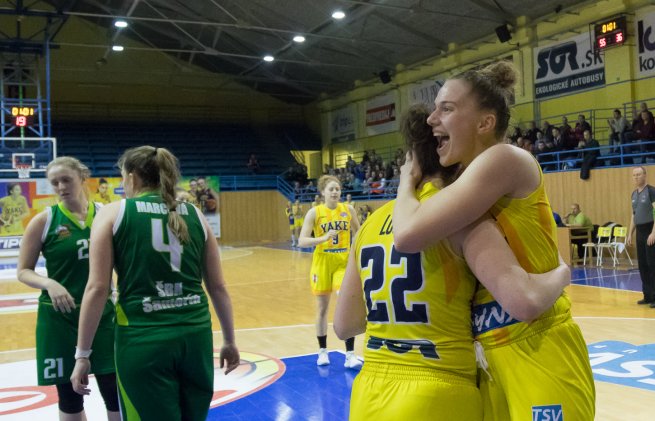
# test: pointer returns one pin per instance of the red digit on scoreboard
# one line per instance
(21, 121)
(619, 37)
(602, 43)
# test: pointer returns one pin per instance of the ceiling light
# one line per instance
(120, 24)
(117, 48)
(338, 14)
(299, 38)
(269, 58)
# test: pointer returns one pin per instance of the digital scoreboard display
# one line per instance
(610, 33)
(22, 116)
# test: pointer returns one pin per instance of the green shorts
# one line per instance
(165, 373)
(56, 337)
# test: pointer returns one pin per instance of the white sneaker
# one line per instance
(351, 360)
(323, 357)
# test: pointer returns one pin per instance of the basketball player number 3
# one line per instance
(173, 247)
(374, 258)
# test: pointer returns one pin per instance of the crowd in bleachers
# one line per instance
(577, 146)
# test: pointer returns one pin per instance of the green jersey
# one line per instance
(66, 249)
(159, 279)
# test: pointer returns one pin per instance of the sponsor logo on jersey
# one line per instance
(62, 231)
(402, 346)
(623, 363)
(547, 413)
(490, 316)
(344, 214)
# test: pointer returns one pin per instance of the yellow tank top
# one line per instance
(418, 305)
(12, 209)
(333, 219)
(530, 231)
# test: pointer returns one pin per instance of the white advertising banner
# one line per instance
(645, 44)
(381, 114)
(342, 124)
(567, 67)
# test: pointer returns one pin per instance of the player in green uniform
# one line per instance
(61, 233)
(161, 250)
(415, 307)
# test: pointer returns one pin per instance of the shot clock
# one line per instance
(22, 116)
(610, 33)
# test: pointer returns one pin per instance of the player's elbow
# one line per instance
(528, 308)
(303, 242)
(405, 241)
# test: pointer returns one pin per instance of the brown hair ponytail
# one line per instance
(158, 168)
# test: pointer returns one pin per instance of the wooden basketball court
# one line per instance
(274, 315)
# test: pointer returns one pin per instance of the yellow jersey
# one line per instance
(14, 209)
(327, 219)
(530, 231)
(418, 304)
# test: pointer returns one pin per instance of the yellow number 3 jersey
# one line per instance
(418, 305)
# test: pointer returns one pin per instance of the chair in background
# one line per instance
(618, 244)
(604, 240)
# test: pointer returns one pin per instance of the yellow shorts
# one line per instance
(327, 272)
(397, 392)
(546, 376)
(297, 222)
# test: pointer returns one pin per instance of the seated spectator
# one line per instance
(253, 164)
(645, 130)
(580, 127)
(531, 133)
(565, 129)
(644, 107)
(577, 219)
(618, 128)
(516, 133)
(547, 130)
(310, 188)
(589, 157)
(350, 164)
(366, 158)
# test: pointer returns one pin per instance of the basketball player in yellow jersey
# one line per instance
(415, 308)
(14, 209)
(332, 224)
(298, 218)
(540, 370)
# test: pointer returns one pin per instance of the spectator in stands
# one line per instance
(589, 155)
(580, 127)
(365, 158)
(547, 130)
(400, 153)
(645, 130)
(558, 140)
(618, 128)
(541, 157)
(531, 133)
(565, 129)
(207, 197)
(516, 133)
(350, 164)
(310, 188)
(253, 164)
(644, 107)
(577, 219)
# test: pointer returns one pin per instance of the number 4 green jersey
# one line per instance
(159, 279)
(66, 249)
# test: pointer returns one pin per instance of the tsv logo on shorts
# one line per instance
(623, 363)
(547, 413)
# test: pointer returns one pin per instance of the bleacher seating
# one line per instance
(202, 150)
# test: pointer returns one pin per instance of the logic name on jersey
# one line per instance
(165, 290)
(158, 208)
(490, 316)
(335, 225)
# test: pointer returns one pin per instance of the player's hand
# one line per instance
(651, 239)
(80, 376)
(628, 240)
(410, 172)
(331, 234)
(61, 299)
(229, 357)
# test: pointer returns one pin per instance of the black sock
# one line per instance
(322, 341)
(350, 344)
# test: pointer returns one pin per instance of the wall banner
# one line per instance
(381, 114)
(342, 124)
(645, 32)
(567, 67)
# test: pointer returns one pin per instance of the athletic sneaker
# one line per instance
(323, 358)
(351, 360)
